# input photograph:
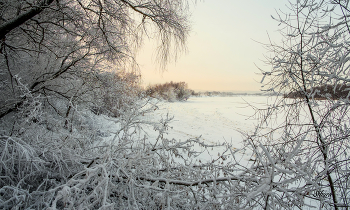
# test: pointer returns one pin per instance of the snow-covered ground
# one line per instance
(215, 119)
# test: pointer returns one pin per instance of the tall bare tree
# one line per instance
(306, 151)
(41, 41)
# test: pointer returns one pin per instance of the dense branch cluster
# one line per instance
(308, 146)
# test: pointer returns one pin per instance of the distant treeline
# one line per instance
(178, 91)
(224, 94)
(323, 92)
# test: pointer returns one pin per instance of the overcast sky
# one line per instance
(222, 49)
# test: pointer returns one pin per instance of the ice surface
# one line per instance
(215, 119)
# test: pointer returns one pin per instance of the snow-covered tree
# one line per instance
(48, 44)
(302, 143)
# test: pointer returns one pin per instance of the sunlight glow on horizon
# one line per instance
(223, 48)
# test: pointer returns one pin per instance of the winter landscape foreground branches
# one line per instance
(78, 132)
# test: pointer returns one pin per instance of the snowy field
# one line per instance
(215, 119)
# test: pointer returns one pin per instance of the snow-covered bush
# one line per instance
(114, 92)
(170, 91)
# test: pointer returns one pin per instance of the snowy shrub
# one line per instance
(172, 91)
(114, 92)
(169, 94)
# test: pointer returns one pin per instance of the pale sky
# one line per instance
(222, 48)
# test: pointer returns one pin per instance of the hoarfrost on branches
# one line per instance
(302, 140)
(57, 88)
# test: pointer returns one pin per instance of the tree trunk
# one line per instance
(9, 25)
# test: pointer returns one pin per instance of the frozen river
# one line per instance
(215, 119)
